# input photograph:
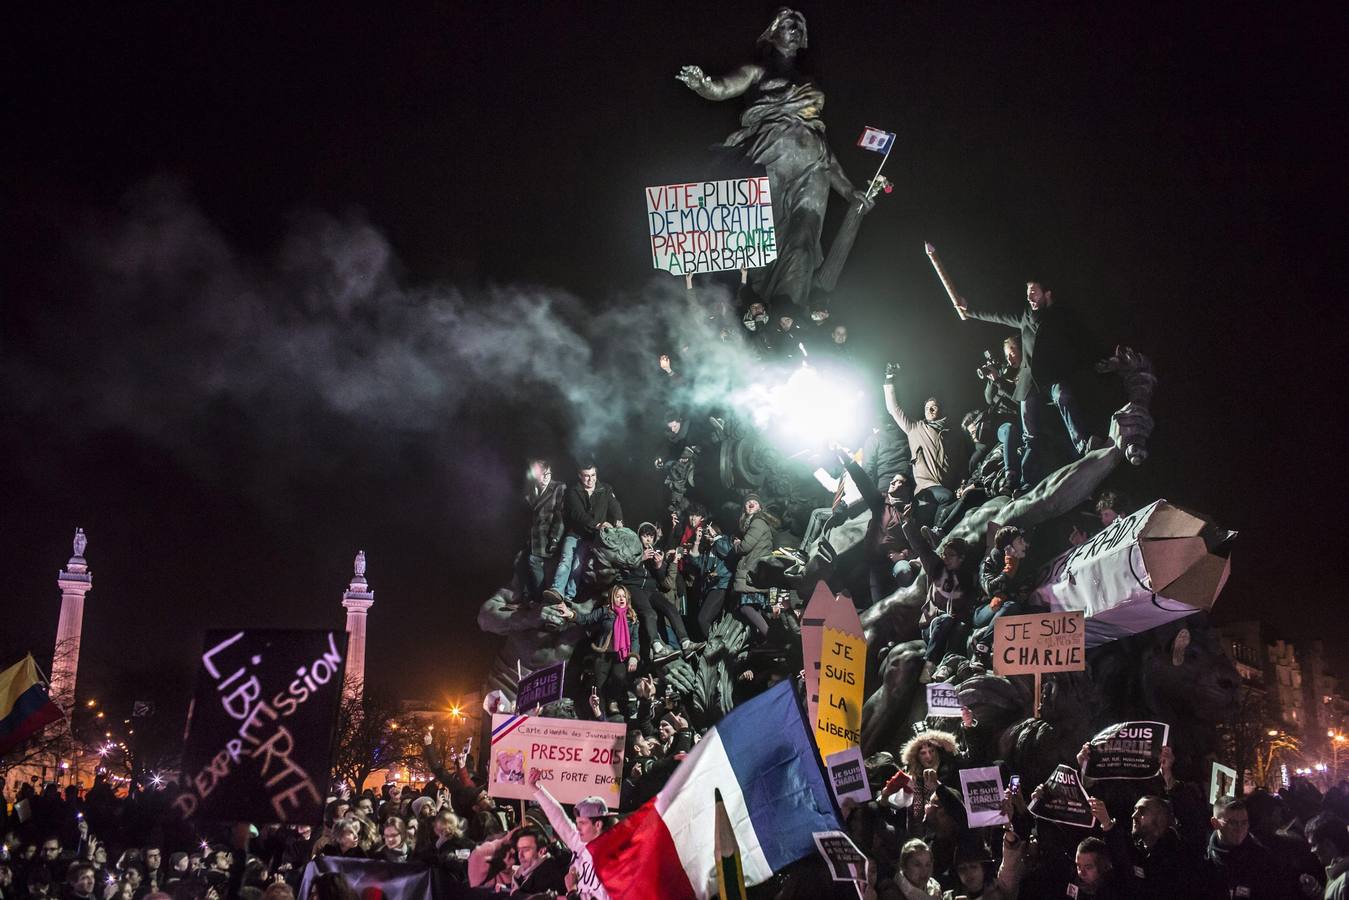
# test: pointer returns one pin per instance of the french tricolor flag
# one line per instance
(762, 760)
(875, 139)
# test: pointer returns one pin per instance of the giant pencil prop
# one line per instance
(945, 279)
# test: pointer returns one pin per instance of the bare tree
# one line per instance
(372, 734)
(1253, 739)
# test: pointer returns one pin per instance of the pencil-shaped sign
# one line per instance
(945, 279)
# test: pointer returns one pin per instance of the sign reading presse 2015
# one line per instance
(575, 758)
(711, 226)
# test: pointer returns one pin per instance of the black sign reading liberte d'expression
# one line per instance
(260, 729)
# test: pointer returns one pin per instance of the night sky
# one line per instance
(231, 233)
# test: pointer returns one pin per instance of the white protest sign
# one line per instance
(942, 701)
(1222, 782)
(711, 226)
(848, 775)
(576, 759)
(846, 862)
(982, 792)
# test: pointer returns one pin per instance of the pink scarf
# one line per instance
(622, 640)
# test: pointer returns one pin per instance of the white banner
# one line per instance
(576, 759)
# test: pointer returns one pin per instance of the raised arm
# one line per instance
(732, 85)
(562, 824)
(892, 407)
(865, 486)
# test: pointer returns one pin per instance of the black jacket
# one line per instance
(545, 518)
(599, 624)
(1248, 865)
(1053, 346)
(885, 452)
(1168, 871)
(584, 512)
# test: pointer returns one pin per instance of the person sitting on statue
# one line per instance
(939, 455)
(780, 343)
(1054, 348)
(887, 549)
(951, 594)
(649, 584)
(709, 567)
(543, 498)
(588, 507)
(616, 642)
(986, 476)
(846, 503)
(782, 131)
(1003, 416)
(754, 544)
(1006, 583)
(885, 451)
(755, 318)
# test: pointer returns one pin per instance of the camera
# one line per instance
(990, 368)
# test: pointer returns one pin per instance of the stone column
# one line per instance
(75, 581)
(358, 599)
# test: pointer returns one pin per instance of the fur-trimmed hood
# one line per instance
(945, 742)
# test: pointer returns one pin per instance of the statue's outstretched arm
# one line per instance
(732, 85)
(839, 180)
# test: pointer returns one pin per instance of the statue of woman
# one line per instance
(781, 130)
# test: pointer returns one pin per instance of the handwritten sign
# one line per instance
(1038, 643)
(260, 727)
(942, 701)
(541, 687)
(576, 759)
(1062, 799)
(848, 775)
(1127, 750)
(842, 659)
(981, 790)
(711, 226)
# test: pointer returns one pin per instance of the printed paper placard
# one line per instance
(1127, 750)
(982, 791)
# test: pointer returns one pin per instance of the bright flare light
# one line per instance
(811, 407)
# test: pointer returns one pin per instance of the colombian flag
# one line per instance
(24, 705)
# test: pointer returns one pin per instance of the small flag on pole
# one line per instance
(876, 140)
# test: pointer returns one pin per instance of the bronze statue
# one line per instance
(781, 130)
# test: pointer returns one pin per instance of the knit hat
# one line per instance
(420, 804)
(592, 808)
(752, 495)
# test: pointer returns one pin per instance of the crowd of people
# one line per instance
(650, 596)
(1151, 839)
